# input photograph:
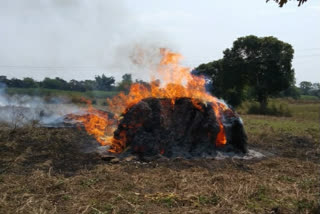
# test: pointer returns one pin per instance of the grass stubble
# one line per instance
(45, 170)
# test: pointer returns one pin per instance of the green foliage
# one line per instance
(304, 120)
(309, 97)
(56, 83)
(305, 86)
(280, 110)
(282, 2)
(256, 66)
(75, 96)
(316, 86)
(310, 89)
(29, 83)
(104, 83)
(274, 108)
(265, 65)
(126, 82)
(75, 85)
(293, 92)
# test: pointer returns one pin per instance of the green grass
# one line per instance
(306, 111)
(304, 120)
(276, 107)
(298, 108)
(55, 92)
(257, 125)
(309, 97)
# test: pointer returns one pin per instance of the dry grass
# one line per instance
(46, 171)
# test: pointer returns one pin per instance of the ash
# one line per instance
(251, 154)
(102, 151)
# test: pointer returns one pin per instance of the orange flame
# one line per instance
(176, 82)
(97, 123)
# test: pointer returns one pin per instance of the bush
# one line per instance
(274, 108)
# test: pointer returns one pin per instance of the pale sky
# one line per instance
(78, 39)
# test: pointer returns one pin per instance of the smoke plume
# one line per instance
(72, 39)
(19, 110)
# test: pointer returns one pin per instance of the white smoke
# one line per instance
(141, 58)
(72, 39)
(19, 110)
(252, 154)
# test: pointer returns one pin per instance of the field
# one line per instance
(69, 96)
(45, 170)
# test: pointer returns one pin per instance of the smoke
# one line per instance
(19, 110)
(252, 154)
(141, 57)
(72, 39)
(3, 100)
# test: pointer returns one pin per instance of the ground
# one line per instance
(48, 170)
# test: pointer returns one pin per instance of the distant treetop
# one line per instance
(282, 2)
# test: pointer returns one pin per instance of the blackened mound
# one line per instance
(183, 128)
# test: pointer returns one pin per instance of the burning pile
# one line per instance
(173, 116)
(187, 128)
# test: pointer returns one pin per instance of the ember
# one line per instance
(170, 116)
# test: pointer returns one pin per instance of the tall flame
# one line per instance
(175, 81)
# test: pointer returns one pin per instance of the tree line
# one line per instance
(254, 68)
(101, 82)
(309, 88)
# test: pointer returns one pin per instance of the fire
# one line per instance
(176, 82)
(97, 123)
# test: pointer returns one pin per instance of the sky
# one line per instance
(78, 39)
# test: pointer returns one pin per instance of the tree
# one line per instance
(62, 84)
(224, 80)
(56, 83)
(15, 83)
(266, 63)
(89, 84)
(309, 88)
(3, 79)
(292, 91)
(305, 86)
(75, 85)
(29, 83)
(316, 86)
(126, 82)
(259, 65)
(105, 83)
(282, 2)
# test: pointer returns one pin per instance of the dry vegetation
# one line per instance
(46, 170)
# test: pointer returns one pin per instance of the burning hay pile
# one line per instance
(172, 117)
(187, 129)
